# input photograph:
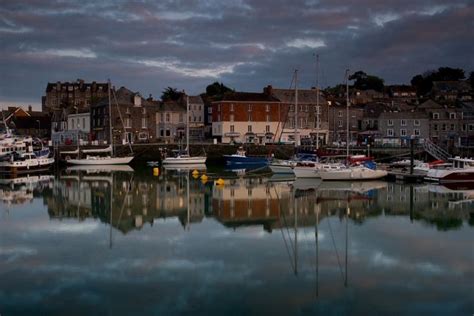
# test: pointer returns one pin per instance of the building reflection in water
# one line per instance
(128, 201)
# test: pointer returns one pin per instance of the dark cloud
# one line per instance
(148, 45)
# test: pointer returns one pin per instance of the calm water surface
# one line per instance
(122, 243)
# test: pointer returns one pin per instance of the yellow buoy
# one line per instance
(156, 171)
(204, 177)
(195, 176)
(220, 181)
(195, 172)
(203, 181)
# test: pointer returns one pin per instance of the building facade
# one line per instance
(61, 95)
(133, 118)
(243, 117)
(171, 122)
(397, 128)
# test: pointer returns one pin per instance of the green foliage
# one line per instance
(364, 81)
(170, 94)
(471, 79)
(423, 83)
(217, 89)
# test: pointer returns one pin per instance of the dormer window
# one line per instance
(435, 116)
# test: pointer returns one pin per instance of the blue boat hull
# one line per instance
(246, 161)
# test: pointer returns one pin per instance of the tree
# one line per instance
(423, 83)
(364, 81)
(170, 94)
(217, 89)
(471, 79)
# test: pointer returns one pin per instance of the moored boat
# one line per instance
(461, 170)
(241, 159)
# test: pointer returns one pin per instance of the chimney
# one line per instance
(30, 108)
(150, 98)
(268, 90)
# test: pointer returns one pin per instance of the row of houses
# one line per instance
(79, 111)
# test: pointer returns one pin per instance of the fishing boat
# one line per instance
(240, 159)
(94, 158)
(461, 170)
(185, 158)
(20, 163)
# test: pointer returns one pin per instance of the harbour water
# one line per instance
(98, 242)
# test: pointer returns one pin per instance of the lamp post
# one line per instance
(39, 127)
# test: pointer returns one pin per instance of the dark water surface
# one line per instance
(125, 243)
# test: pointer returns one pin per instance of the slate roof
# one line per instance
(249, 97)
(304, 96)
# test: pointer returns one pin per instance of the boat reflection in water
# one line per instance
(250, 245)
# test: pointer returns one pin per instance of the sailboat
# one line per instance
(357, 172)
(101, 160)
(185, 158)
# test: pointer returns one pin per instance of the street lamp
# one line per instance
(39, 126)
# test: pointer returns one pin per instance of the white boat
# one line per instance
(183, 159)
(461, 170)
(353, 173)
(96, 159)
(24, 163)
(283, 166)
(100, 168)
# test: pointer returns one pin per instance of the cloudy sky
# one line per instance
(247, 44)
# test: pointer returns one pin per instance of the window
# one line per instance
(168, 117)
(435, 127)
(464, 127)
(403, 132)
(390, 123)
(390, 132)
(416, 122)
(72, 124)
(231, 107)
(142, 136)
(443, 127)
(339, 114)
(128, 110)
(339, 123)
(435, 116)
(250, 107)
(83, 122)
(143, 110)
(306, 108)
(168, 132)
(231, 117)
(143, 122)
(403, 122)
(416, 132)
(267, 128)
(452, 116)
(268, 118)
(250, 117)
(267, 107)
(452, 127)
(249, 128)
(128, 123)
(471, 127)
(232, 129)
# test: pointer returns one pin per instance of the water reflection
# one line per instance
(250, 246)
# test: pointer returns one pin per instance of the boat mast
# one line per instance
(187, 124)
(317, 102)
(296, 108)
(111, 138)
(347, 114)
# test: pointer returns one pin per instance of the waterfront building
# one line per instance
(403, 93)
(196, 117)
(66, 95)
(133, 118)
(338, 122)
(171, 122)
(27, 122)
(244, 117)
(312, 120)
(450, 91)
(398, 127)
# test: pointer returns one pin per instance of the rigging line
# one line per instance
(286, 114)
(335, 248)
(288, 232)
(121, 119)
(124, 198)
(287, 249)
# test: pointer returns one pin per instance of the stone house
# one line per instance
(309, 111)
(403, 93)
(398, 127)
(338, 122)
(61, 95)
(445, 121)
(133, 118)
(171, 122)
(27, 122)
(196, 116)
(450, 90)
